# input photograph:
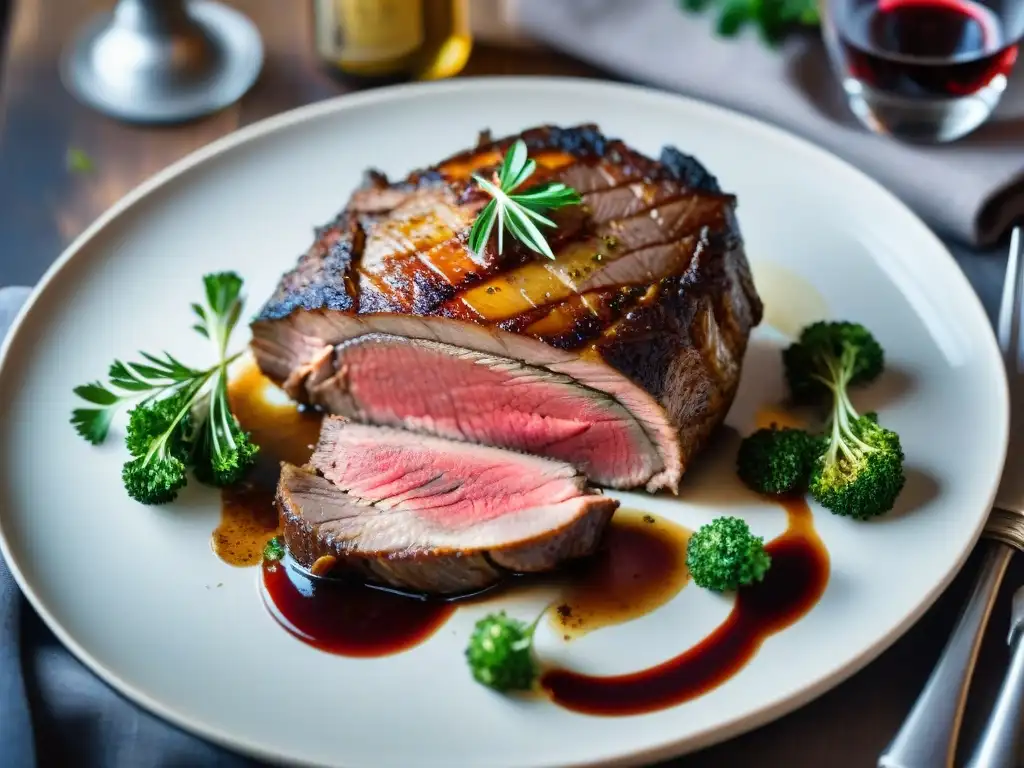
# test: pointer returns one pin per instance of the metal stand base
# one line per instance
(163, 62)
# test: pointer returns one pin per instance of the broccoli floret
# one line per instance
(154, 481)
(500, 653)
(157, 438)
(778, 461)
(860, 475)
(809, 361)
(184, 420)
(155, 418)
(724, 555)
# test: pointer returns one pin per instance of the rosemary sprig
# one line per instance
(518, 212)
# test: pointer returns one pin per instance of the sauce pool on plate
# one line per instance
(284, 433)
(345, 618)
(641, 566)
(794, 583)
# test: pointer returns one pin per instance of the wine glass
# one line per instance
(923, 70)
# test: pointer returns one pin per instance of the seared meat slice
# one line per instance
(620, 356)
(432, 515)
(444, 480)
(466, 395)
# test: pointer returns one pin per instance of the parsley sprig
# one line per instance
(517, 212)
(181, 419)
(772, 18)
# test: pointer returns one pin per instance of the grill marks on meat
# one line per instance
(432, 515)
(412, 250)
(646, 309)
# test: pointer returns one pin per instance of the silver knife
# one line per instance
(928, 736)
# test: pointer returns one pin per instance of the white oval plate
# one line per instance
(137, 595)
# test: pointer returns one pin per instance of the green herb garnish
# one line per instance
(518, 212)
(182, 419)
(77, 161)
(274, 549)
(500, 653)
(773, 18)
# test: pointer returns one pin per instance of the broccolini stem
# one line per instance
(844, 439)
(213, 419)
(158, 445)
(837, 439)
(225, 411)
(533, 625)
(193, 387)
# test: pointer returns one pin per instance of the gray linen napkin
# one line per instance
(971, 189)
(54, 711)
(15, 724)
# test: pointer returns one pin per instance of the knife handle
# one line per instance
(928, 736)
(997, 747)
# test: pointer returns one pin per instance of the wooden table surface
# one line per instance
(43, 206)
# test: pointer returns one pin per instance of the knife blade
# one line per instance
(1010, 495)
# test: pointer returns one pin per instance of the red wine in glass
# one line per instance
(929, 70)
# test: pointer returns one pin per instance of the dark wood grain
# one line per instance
(43, 206)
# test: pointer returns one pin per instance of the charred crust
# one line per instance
(428, 292)
(327, 278)
(688, 170)
(322, 279)
(580, 141)
(374, 179)
(430, 177)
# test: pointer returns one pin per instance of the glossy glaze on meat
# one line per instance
(637, 329)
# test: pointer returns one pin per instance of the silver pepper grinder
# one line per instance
(163, 61)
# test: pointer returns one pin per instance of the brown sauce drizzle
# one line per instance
(346, 618)
(284, 433)
(282, 430)
(792, 586)
(641, 566)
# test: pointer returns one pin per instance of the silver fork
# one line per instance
(928, 736)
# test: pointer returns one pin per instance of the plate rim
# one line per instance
(664, 749)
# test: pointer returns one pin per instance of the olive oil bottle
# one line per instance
(375, 41)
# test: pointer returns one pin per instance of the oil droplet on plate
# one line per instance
(790, 301)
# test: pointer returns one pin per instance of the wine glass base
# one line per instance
(925, 121)
(136, 74)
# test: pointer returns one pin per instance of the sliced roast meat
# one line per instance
(619, 356)
(483, 514)
(465, 395)
(447, 481)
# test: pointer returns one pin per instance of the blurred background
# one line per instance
(924, 95)
(92, 103)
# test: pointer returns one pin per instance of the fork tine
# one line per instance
(1009, 327)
